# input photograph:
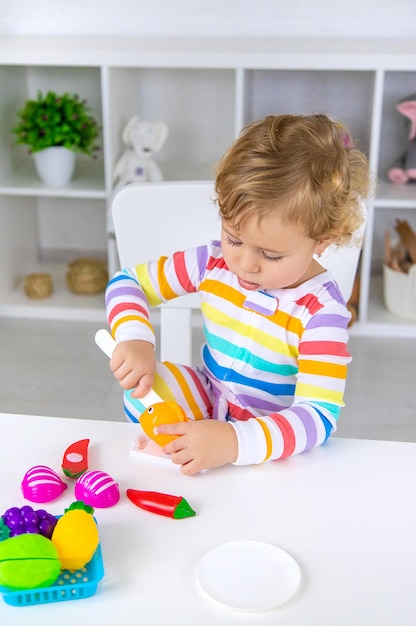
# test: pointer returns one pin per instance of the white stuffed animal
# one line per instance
(136, 164)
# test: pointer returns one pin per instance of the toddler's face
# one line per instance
(269, 253)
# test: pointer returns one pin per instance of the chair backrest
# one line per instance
(342, 261)
(155, 219)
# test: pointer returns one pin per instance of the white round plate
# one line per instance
(249, 575)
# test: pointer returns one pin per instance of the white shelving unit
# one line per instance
(205, 90)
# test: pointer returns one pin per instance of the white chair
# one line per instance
(154, 219)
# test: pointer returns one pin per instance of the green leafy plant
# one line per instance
(57, 120)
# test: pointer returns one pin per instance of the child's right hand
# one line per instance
(134, 364)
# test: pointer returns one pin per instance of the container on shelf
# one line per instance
(55, 165)
(400, 291)
(87, 276)
(38, 285)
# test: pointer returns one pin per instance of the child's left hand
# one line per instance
(202, 444)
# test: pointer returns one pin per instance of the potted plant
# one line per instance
(53, 125)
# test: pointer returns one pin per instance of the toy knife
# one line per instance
(106, 343)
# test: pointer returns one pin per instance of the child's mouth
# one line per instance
(245, 284)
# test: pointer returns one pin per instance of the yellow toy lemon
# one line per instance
(161, 413)
(75, 536)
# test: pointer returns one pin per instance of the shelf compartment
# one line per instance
(198, 105)
(343, 95)
(16, 165)
(67, 230)
(380, 321)
(62, 304)
(394, 196)
(395, 127)
(385, 216)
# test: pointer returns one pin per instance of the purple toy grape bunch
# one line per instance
(22, 520)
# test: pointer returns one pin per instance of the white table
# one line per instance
(346, 512)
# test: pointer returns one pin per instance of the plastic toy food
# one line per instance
(161, 503)
(97, 489)
(158, 411)
(27, 562)
(42, 484)
(75, 536)
(161, 413)
(75, 460)
(19, 521)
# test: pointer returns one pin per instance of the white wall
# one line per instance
(211, 18)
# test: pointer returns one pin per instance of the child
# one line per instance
(275, 354)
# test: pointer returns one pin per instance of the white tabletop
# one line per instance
(346, 512)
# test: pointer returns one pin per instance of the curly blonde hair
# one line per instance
(304, 166)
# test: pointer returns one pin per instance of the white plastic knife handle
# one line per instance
(104, 340)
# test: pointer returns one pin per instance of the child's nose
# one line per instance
(249, 262)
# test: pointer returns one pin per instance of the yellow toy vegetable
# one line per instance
(75, 536)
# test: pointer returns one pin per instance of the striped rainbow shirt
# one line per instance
(276, 360)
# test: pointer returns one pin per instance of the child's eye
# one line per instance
(271, 258)
(233, 242)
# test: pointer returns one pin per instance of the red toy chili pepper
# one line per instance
(161, 503)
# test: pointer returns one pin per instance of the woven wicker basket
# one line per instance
(87, 276)
(38, 285)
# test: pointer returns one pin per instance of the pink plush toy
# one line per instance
(404, 170)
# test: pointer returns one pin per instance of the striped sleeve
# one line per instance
(318, 396)
(132, 291)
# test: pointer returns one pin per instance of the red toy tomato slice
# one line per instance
(75, 460)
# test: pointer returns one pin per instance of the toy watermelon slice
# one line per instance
(75, 460)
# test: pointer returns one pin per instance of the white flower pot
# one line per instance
(55, 166)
